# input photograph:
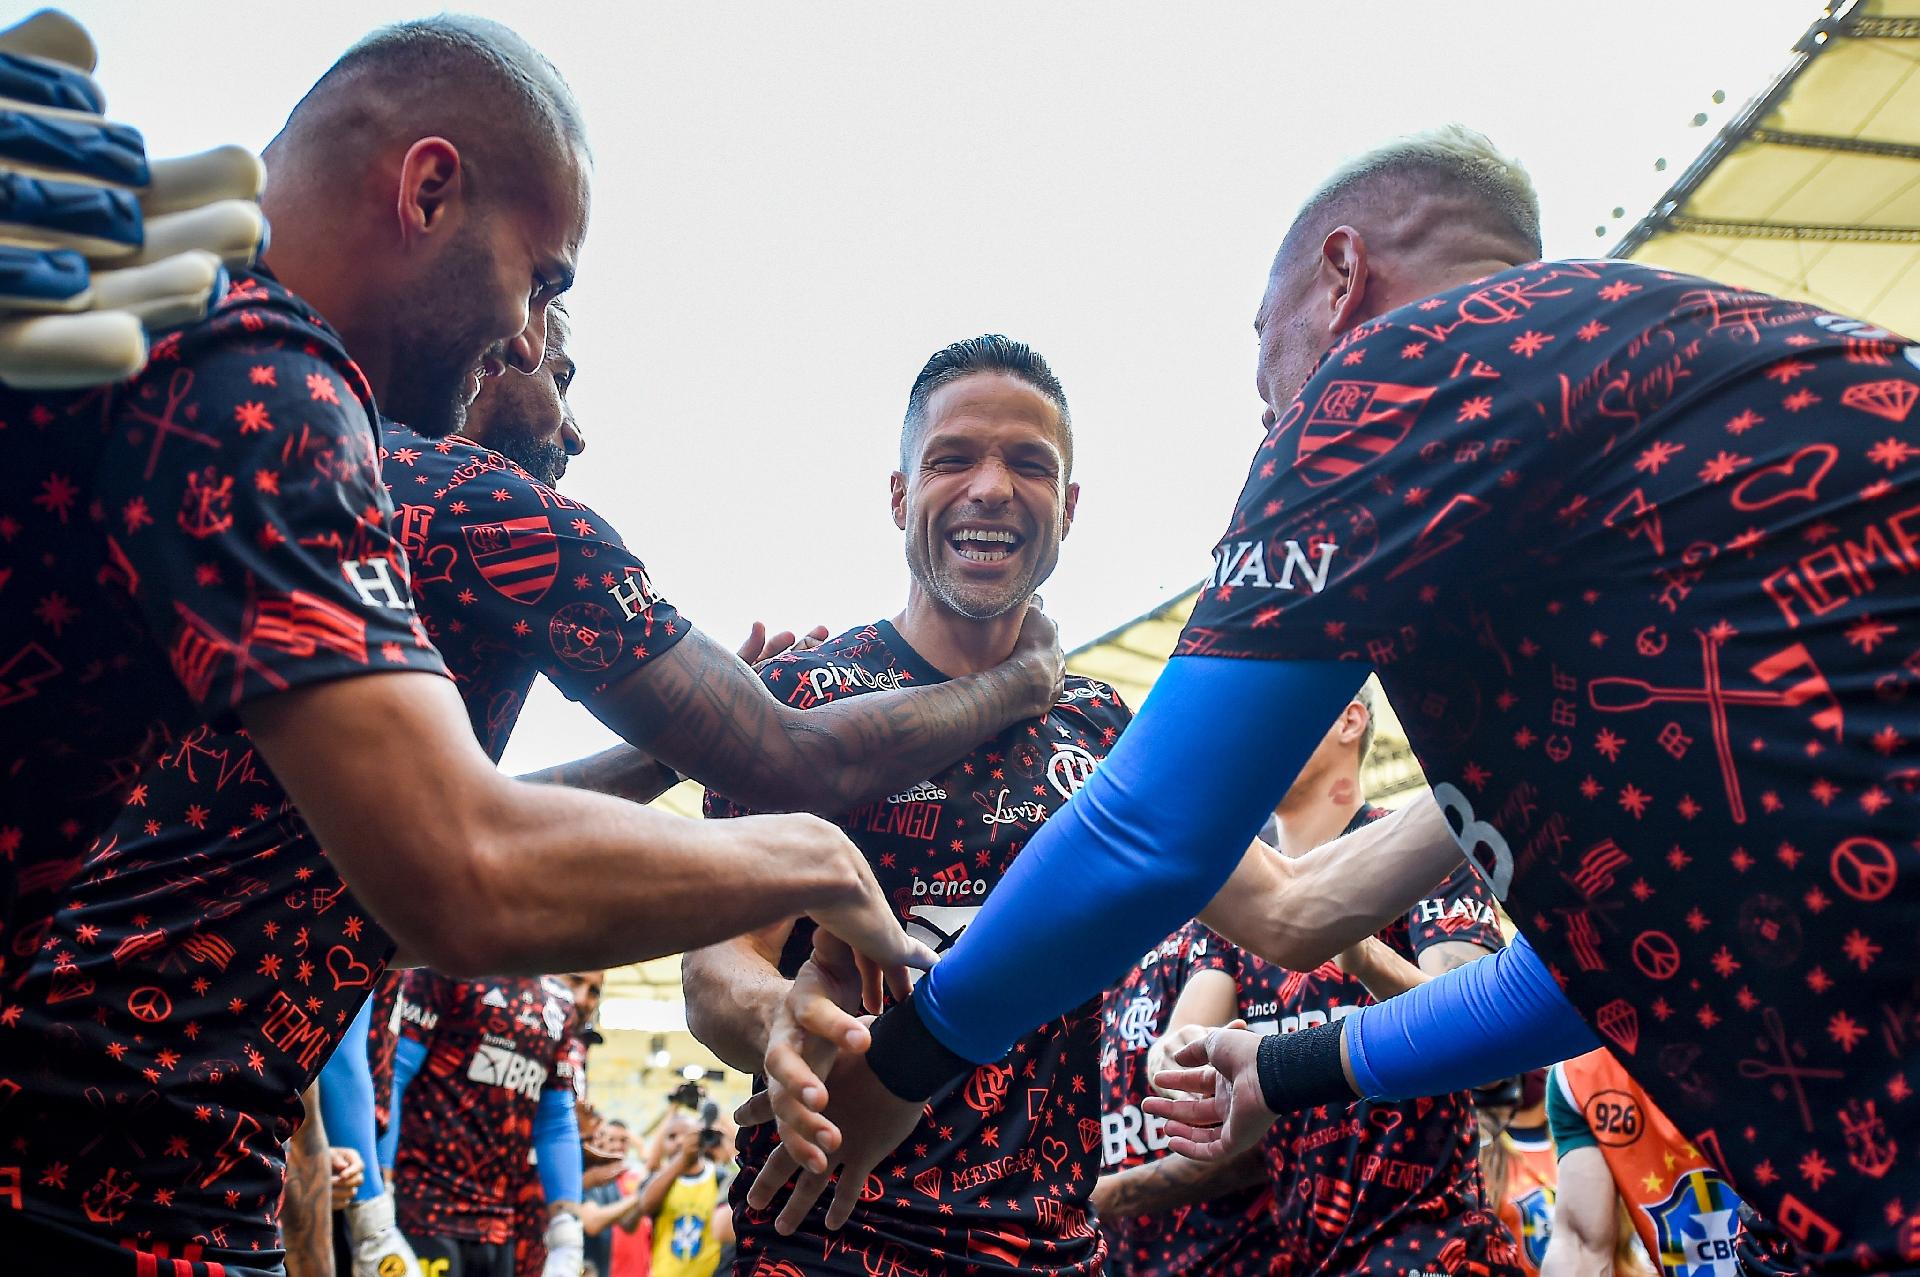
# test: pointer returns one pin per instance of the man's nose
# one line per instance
(528, 351)
(991, 483)
(572, 438)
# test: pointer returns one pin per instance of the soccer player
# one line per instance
(1616, 1147)
(1376, 1188)
(1164, 1216)
(208, 957)
(1518, 1162)
(1636, 552)
(476, 1087)
(997, 1173)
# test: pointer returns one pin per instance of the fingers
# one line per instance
(772, 1178)
(1195, 1052)
(846, 1193)
(806, 1191)
(749, 651)
(66, 352)
(53, 36)
(1199, 1104)
(188, 181)
(823, 1019)
(1194, 1144)
(235, 231)
(757, 1110)
(165, 294)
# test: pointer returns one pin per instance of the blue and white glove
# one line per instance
(98, 246)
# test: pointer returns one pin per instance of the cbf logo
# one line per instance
(1139, 1023)
(1696, 1226)
(1536, 1223)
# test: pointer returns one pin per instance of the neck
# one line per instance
(953, 644)
(306, 258)
(1316, 811)
(1442, 277)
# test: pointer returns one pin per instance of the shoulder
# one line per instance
(257, 313)
(820, 673)
(1094, 700)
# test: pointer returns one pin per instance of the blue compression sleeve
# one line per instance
(556, 1145)
(408, 1056)
(1156, 831)
(1492, 1018)
(346, 1101)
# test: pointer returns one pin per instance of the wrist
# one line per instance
(1303, 1069)
(1037, 684)
(907, 1058)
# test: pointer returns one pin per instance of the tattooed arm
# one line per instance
(1174, 1181)
(701, 710)
(306, 1210)
(622, 771)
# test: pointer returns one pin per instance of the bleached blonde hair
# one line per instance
(1451, 160)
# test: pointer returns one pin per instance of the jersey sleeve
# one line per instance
(1209, 952)
(1460, 908)
(541, 571)
(1400, 463)
(249, 524)
(1568, 1125)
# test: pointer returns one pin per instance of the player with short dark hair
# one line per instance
(1635, 545)
(997, 1176)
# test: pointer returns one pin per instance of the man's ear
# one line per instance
(1073, 501)
(430, 187)
(1353, 722)
(897, 498)
(1343, 270)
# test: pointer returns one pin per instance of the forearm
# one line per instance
(1585, 1220)
(1141, 848)
(480, 845)
(1174, 1181)
(732, 991)
(346, 1100)
(1302, 911)
(556, 1146)
(1387, 975)
(623, 771)
(598, 1217)
(306, 1209)
(653, 1193)
(703, 712)
(1493, 1018)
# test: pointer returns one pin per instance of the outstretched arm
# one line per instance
(476, 844)
(1174, 1181)
(702, 711)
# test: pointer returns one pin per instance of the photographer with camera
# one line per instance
(692, 1223)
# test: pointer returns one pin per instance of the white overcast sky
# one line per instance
(795, 204)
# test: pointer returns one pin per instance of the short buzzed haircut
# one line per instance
(990, 352)
(449, 67)
(1453, 162)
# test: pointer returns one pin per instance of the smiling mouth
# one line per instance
(984, 545)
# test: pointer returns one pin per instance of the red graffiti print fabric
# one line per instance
(1389, 1188)
(225, 539)
(208, 940)
(1230, 1235)
(170, 549)
(996, 1177)
(383, 1039)
(1634, 554)
(466, 1122)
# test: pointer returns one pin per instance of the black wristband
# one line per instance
(907, 1058)
(1300, 1070)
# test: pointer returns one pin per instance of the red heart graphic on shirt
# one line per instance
(1089, 1134)
(1053, 1159)
(348, 972)
(1803, 481)
(1385, 1119)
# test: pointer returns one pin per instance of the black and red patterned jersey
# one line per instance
(1385, 1188)
(1229, 1235)
(209, 906)
(1634, 554)
(172, 548)
(466, 1122)
(997, 1175)
(573, 1067)
(383, 1038)
(216, 531)
(529, 1224)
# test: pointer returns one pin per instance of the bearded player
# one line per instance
(1636, 551)
(208, 957)
(997, 1174)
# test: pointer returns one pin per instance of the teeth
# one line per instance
(983, 534)
(981, 556)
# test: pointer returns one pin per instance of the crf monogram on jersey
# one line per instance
(1632, 555)
(998, 1173)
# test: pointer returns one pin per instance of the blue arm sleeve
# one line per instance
(408, 1056)
(1494, 1017)
(1156, 831)
(346, 1101)
(556, 1144)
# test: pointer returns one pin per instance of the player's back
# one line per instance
(996, 1177)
